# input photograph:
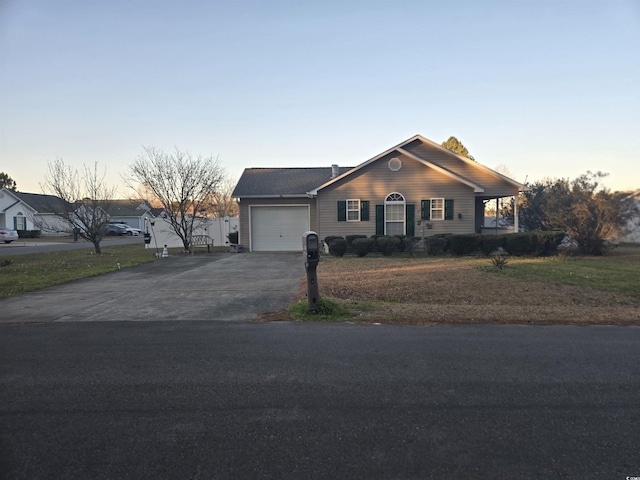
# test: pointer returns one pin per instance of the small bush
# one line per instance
(362, 246)
(338, 247)
(547, 243)
(331, 238)
(351, 238)
(401, 242)
(463, 244)
(499, 261)
(5, 262)
(520, 244)
(435, 245)
(407, 245)
(387, 245)
(28, 233)
(233, 237)
(490, 243)
(375, 238)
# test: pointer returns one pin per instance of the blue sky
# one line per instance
(548, 88)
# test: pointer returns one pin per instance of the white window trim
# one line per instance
(356, 209)
(22, 219)
(436, 209)
(403, 202)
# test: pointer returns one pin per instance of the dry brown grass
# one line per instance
(454, 290)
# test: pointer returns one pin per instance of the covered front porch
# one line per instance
(496, 214)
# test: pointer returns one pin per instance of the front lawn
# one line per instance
(426, 290)
(33, 271)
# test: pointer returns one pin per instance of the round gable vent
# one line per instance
(395, 164)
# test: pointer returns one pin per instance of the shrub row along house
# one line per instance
(417, 188)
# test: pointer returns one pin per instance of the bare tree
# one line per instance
(222, 204)
(182, 183)
(83, 199)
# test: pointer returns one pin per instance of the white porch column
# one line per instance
(515, 213)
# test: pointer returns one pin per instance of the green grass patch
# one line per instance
(34, 271)
(328, 311)
(610, 273)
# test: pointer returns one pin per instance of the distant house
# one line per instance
(416, 188)
(31, 211)
(132, 212)
(34, 211)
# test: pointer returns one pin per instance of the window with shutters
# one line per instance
(394, 214)
(20, 222)
(437, 209)
(353, 210)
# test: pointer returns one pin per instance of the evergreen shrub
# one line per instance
(463, 244)
(387, 245)
(338, 247)
(362, 246)
(435, 245)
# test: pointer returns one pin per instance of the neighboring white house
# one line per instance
(33, 211)
(30, 211)
(132, 212)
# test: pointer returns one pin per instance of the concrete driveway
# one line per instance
(200, 287)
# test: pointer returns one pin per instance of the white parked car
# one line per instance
(128, 230)
(132, 231)
(7, 235)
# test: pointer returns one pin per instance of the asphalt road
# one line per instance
(241, 400)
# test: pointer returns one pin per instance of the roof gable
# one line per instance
(462, 172)
(40, 203)
(129, 208)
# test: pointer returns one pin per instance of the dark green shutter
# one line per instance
(364, 210)
(15, 223)
(342, 211)
(411, 219)
(379, 219)
(426, 210)
(448, 209)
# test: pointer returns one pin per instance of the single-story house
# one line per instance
(416, 188)
(30, 211)
(35, 211)
(132, 212)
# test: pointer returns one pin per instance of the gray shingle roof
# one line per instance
(276, 182)
(128, 208)
(39, 202)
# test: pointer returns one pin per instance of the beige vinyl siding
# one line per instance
(243, 212)
(414, 181)
(492, 184)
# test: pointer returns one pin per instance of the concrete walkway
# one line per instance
(199, 287)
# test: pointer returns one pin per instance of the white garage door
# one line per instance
(278, 229)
